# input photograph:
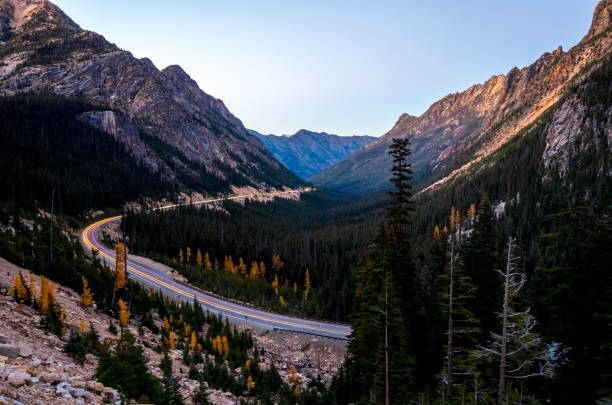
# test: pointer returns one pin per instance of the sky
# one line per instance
(339, 66)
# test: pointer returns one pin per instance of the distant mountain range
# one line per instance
(306, 153)
(462, 131)
(162, 117)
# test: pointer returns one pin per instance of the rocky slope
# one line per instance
(34, 368)
(464, 128)
(163, 116)
(306, 153)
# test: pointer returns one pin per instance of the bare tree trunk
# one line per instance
(449, 352)
(504, 336)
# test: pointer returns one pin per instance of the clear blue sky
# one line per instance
(341, 66)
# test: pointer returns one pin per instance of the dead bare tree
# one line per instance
(520, 351)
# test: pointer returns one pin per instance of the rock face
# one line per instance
(306, 153)
(166, 120)
(462, 129)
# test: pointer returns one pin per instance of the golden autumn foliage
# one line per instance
(472, 211)
(281, 300)
(188, 254)
(262, 268)
(83, 327)
(194, 341)
(242, 268)
(275, 284)
(293, 378)
(124, 315)
(181, 256)
(21, 291)
(186, 330)
(33, 291)
(217, 344)
(228, 265)
(207, 263)
(87, 295)
(171, 343)
(166, 324)
(254, 273)
(250, 383)
(47, 296)
(199, 260)
(437, 236)
(120, 277)
(226, 346)
(307, 285)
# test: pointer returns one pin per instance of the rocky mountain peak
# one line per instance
(14, 14)
(43, 50)
(602, 18)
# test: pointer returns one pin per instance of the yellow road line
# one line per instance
(183, 292)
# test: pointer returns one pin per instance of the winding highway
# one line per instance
(149, 275)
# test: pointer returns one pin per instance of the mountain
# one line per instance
(306, 153)
(161, 116)
(465, 128)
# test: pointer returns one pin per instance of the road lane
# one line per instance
(233, 311)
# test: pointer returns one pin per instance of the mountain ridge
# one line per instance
(45, 51)
(306, 153)
(480, 119)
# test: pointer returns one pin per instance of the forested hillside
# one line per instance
(49, 157)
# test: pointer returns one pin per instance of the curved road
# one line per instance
(144, 271)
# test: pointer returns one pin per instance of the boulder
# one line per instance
(18, 378)
(10, 351)
(25, 351)
(95, 386)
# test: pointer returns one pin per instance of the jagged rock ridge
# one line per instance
(43, 50)
(306, 153)
(475, 123)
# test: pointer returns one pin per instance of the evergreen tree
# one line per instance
(479, 262)
(172, 396)
(573, 301)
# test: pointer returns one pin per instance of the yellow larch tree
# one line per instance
(242, 268)
(32, 285)
(186, 330)
(171, 343)
(83, 327)
(166, 324)
(87, 295)
(21, 291)
(194, 341)
(437, 236)
(199, 260)
(188, 254)
(282, 301)
(181, 256)
(307, 285)
(226, 346)
(275, 284)
(120, 260)
(262, 268)
(47, 296)
(254, 273)
(207, 263)
(472, 212)
(219, 344)
(293, 378)
(250, 383)
(124, 315)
